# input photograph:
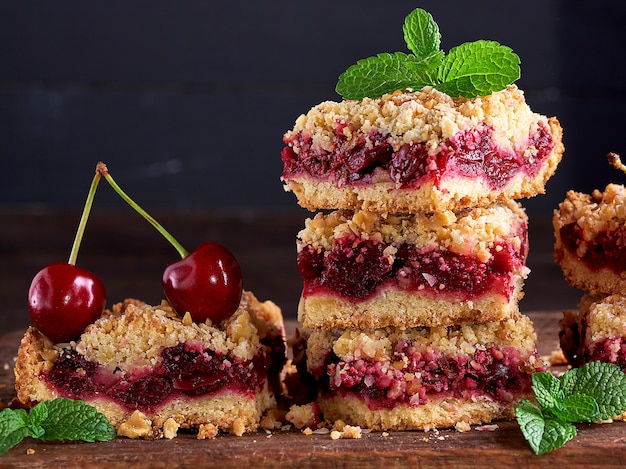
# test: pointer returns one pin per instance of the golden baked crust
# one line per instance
(132, 336)
(594, 214)
(470, 232)
(439, 411)
(430, 118)
(397, 308)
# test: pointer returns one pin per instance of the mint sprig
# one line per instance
(57, 419)
(472, 69)
(596, 391)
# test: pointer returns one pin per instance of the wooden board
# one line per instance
(594, 446)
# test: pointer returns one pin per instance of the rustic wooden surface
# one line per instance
(594, 446)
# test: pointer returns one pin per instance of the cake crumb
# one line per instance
(307, 431)
(207, 431)
(349, 432)
(239, 427)
(385, 434)
(137, 426)
(170, 428)
(462, 427)
(30, 451)
(339, 425)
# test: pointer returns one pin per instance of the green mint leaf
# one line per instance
(35, 417)
(384, 73)
(422, 37)
(478, 69)
(605, 382)
(547, 388)
(543, 434)
(75, 420)
(578, 408)
(13, 428)
(472, 69)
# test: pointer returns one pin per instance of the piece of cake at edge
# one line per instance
(597, 331)
(175, 372)
(420, 151)
(590, 233)
(369, 270)
(423, 378)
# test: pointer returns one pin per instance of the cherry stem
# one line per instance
(101, 168)
(83, 219)
(615, 161)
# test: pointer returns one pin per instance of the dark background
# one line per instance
(187, 101)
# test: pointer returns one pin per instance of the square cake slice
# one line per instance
(145, 368)
(597, 331)
(423, 378)
(590, 232)
(420, 151)
(370, 270)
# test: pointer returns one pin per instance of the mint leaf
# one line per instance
(382, 74)
(575, 408)
(547, 388)
(13, 428)
(605, 382)
(37, 414)
(422, 37)
(477, 69)
(472, 69)
(543, 434)
(75, 420)
(596, 391)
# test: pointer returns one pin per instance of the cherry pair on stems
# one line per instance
(64, 299)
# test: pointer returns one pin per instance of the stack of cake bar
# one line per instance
(590, 230)
(415, 261)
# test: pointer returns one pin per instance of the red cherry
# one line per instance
(64, 299)
(207, 283)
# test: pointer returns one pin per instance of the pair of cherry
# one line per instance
(64, 298)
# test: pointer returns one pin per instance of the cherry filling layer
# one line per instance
(413, 378)
(184, 371)
(470, 154)
(355, 268)
(607, 250)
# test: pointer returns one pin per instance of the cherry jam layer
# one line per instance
(607, 250)
(355, 268)
(414, 378)
(184, 371)
(469, 154)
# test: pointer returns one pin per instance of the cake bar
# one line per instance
(368, 270)
(142, 360)
(420, 151)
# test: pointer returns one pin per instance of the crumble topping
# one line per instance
(425, 116)
(353, 344)
(135, 334)
(603, 316)
(594, 213)
(471, 231)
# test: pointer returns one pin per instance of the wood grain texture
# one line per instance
(594, 446)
